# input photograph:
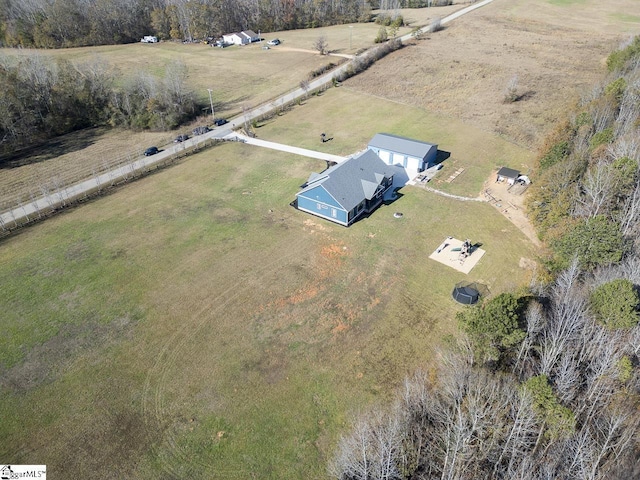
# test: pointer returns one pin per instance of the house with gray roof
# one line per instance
(241, 38)
(415, 156)
(348, 190)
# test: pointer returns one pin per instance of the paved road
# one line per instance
(27, 212)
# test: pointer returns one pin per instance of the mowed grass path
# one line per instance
(193, 324)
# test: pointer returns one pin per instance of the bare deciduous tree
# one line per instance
(304, 85)
(597, 192)
(321, 45)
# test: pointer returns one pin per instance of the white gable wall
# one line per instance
(412, 165)
(399, 159)
(235, 38)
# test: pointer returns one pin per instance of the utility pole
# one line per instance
(211, 102)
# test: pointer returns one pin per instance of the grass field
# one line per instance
(351, 117)
(193, 324)
(557, 52)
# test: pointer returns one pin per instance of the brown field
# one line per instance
(556, 51)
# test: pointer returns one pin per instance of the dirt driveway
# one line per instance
(509, 201)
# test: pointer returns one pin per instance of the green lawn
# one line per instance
(194, 325)
(626, 17)
(352, 118)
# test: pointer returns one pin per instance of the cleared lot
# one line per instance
(194, 324)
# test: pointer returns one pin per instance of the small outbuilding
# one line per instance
(415, 156)
(348, 190)
(507, 174)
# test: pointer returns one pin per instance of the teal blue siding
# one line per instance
(313, 201)
(319, 194)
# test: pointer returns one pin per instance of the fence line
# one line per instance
(57, 195)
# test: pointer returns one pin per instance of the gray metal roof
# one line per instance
(352, 181)
(508, 172)
(406, 146)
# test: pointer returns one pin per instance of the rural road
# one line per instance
(30, 211)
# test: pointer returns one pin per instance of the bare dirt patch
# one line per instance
(509, 200)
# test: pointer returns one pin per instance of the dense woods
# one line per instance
(43, 98)
(544, 383)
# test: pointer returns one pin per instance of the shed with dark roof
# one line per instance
(348, 190)
(414, 155)
(508, 174)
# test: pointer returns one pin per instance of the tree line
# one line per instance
(44, 97)
(72, 23)
(586, 200)
(543, 383)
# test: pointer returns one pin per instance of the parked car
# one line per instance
(181, 138)
(151, 151)
(201, 130)
(220, 121)
(274, 42)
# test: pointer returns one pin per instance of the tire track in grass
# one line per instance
(155, 409)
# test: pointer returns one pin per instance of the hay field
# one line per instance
(556, 49)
